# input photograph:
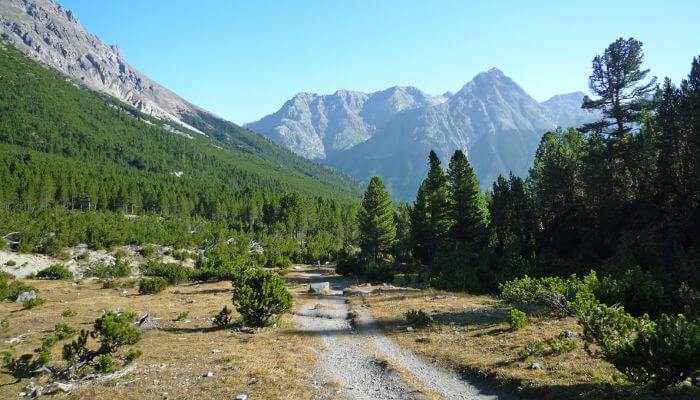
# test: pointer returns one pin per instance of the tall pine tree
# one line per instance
(431, 218)
(376, 220)
(467, 204)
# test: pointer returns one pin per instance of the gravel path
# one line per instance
(353, 357)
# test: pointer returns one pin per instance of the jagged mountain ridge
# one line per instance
(318, 126)
(491, 118)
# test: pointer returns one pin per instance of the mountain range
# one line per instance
(390, 133)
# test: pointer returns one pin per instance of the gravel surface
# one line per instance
(353, 357)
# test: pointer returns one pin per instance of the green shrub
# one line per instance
(552, 294)
(662, 352)
(69, 313)
(152, 286)
(83, 256)
(129, 283)
(120, 254)
(64, 331)
(349, 264)
(15, 288)
(147, 251)
(4, 323)
(379, 272)
(636, 290)
(517, 319)
(109, 284)
(105, 364)
(261, 297)
(11, 263)
(183, 315)
(56, 272)
(418, 318)
(222, 320)
(112, 331)
(31, 303)
(117, 269)
(173, 273)
(131, 356)
(4, 287)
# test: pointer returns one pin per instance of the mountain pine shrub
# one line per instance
(261, 297)
(55, 272)
(152, 286)
(517, 319)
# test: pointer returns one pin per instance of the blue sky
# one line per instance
(242, 60)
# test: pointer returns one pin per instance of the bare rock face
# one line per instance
(52, 35)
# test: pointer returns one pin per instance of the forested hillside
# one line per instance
(88, 158)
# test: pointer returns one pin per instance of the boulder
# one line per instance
(319, 287)
(147, 323)
(26, 296)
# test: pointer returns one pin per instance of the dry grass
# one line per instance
(269, 364)
(485, 346)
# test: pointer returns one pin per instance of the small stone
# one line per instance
(216, 351)
(570, 334)
(319, 287)
(192, 301)
(209, 374)
(409, 329)
(423, 339)
(74, 284)
(125, 292)
(242, 397)
(535, 366)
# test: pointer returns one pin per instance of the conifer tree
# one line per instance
(376, 220)
(467, 204)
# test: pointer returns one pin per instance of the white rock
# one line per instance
(26, 296)
(535, 366)
(242, 397)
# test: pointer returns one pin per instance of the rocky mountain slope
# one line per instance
(52, 35)
(317, 127)
(390, 133)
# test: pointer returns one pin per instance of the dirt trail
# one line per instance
(355, 357)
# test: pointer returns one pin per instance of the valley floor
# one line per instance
(352, 342)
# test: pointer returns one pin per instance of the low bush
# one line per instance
(556, 345)
(109, 284)
(173, 273)
(517, 319)
(64, 331)
(117, 269)
(152, 286)
(551, 294)
(104, 364)
(183, 315)
(261, 297)
(147, 251)
(349, 264)
(69, 313)
(11, 263)
(31, 303)
(55, 272)
(418, 318)
(379, 272)
(662, 352)
(222, 320)
(636, 290)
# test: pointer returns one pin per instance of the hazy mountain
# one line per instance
(565, 110)
(390, 133)
(319, 126)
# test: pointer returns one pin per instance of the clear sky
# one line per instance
(242, 60)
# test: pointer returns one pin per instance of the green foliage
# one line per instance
(223, 319)
(117, 269)
(64, 331)
(147, 251)
(112, 331)
(376, 220)
(349, 264)
(551, 294)
(109, 284)
(261, 297)
(418, 318)
(182, 316)
(68, 313)
(662, 352)
(635, 289)
(11, 263)
(173, 273)
(31, 303)
(379, 271)
(55, 272)
(104, 364)
(152, 286)
(4, 323)
(517, 319)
